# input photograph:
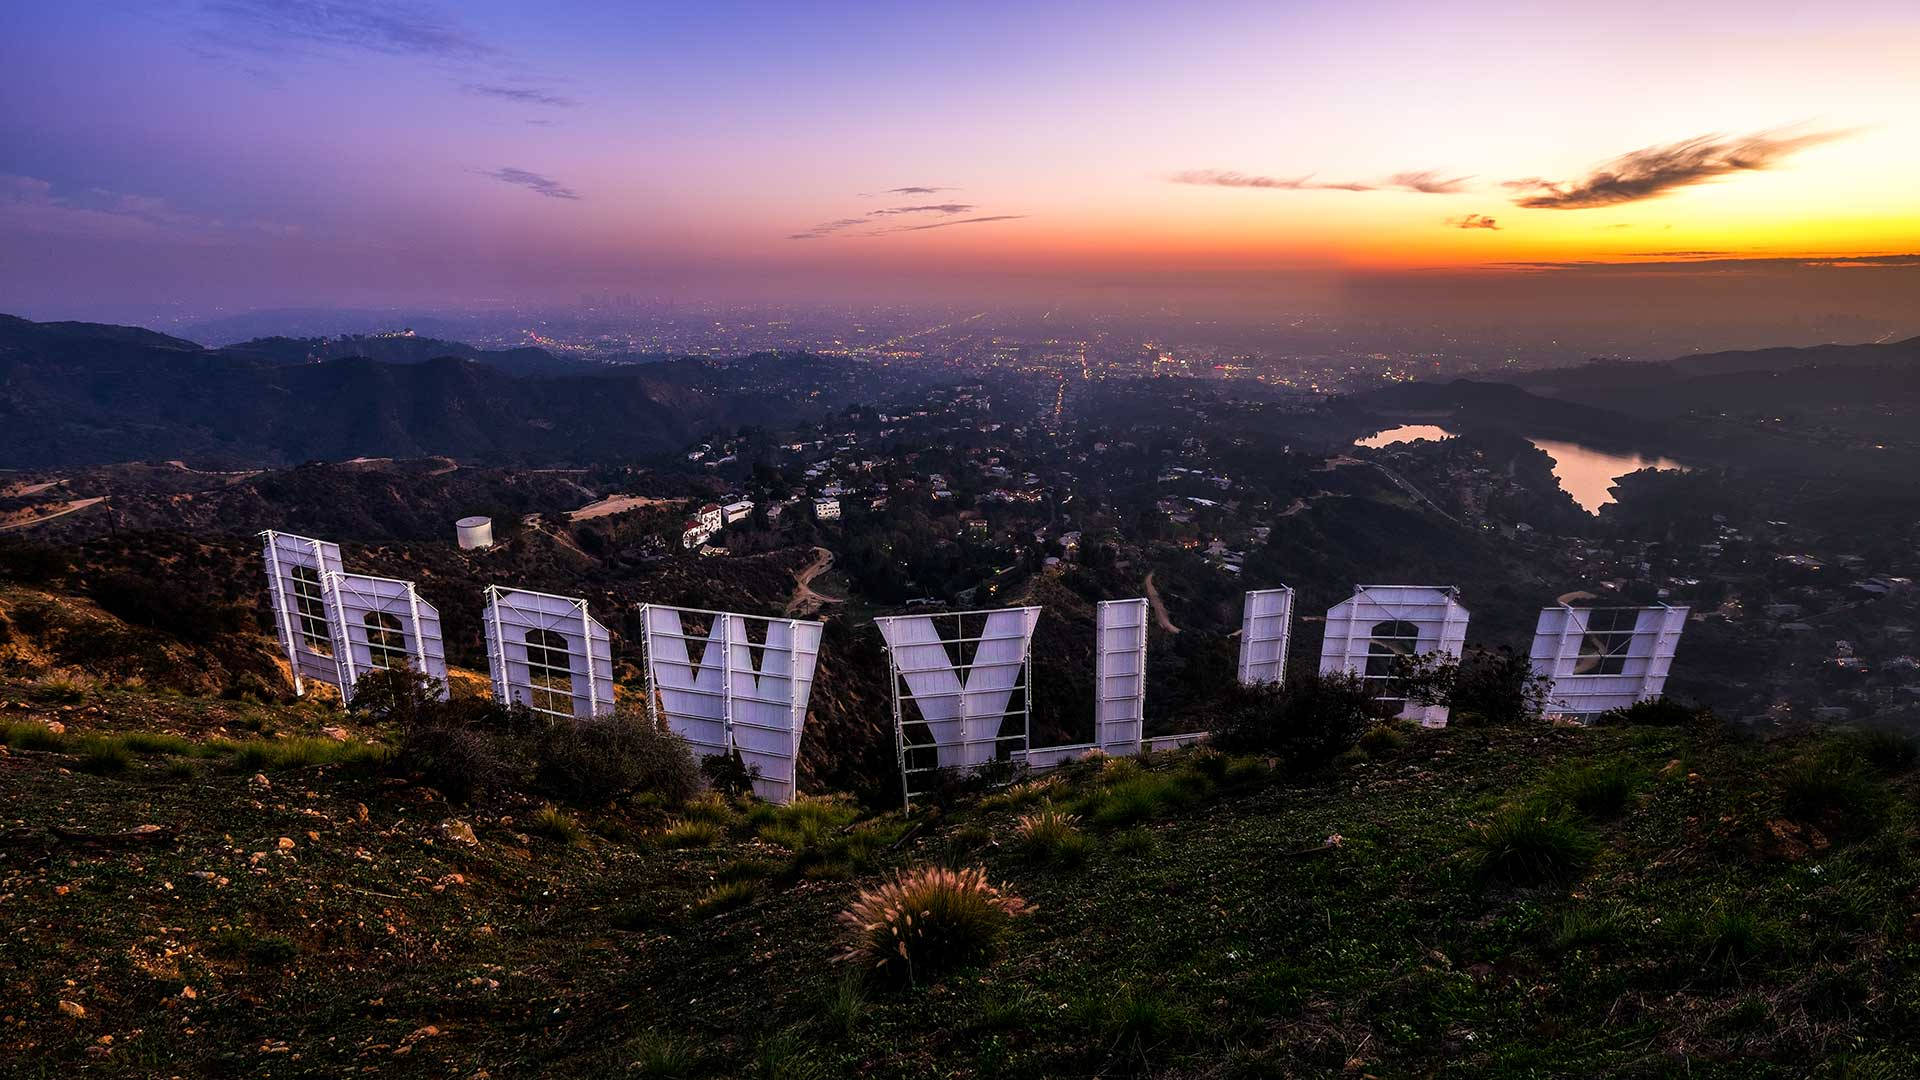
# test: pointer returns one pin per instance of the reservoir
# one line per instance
(1584, 473)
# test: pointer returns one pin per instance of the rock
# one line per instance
(286, 843)
(260, 781)
(459, 832)
(73, 1009)
(56, 727)
(337, 734)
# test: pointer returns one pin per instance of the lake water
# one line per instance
(1405, 433)
(1587, 474)
(1583, 472)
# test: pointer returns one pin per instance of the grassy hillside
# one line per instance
(1541, 902)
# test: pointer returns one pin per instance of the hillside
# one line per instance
(302, 909)
(79, 394)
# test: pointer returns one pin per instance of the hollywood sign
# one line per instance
(960, 682)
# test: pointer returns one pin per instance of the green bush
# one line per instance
(1048, 836)
(1891, 752)
(1599, 791)
(1485, 686)
(556, 824)
(1305, 723)
(28, 735)
(690, 834)
(103, 756)
(1652, 712)
(240, 943)
(725, 897)
(602, 758)
(1833, 787)
(1533, 843)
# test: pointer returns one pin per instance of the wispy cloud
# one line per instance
(828, 228)
(32, 205)
(521, 95)
(936, 208)
(1426, 182)
(916, 190)
(962, 221)
(1657, 170)
(539, 185)
(396, 27)
(846, 225)
(1473, 221)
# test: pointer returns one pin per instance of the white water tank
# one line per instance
(474, 532)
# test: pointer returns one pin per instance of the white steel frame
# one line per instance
(283, 554)
(353, 598)
(759, 711)
(1266, 630)
(1434, 610)
(1119, 686)
(1557, 653)
(589, 651)
(948, 705)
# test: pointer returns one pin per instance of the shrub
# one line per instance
(713, 808)
(690, 834)
(662, 1057)
(841, 1008)
(1531, 843)
(602, 758)
(1047, 835)
(1384, 740)
(1582, 926)
(169, 604)
(1485, 686)
(786, 1057)
(804, 823)
(103, 756)
(1599, 791)
(1834, 788)
(552, 822)
(1134, 1022)
(1024, 794)
(154, 744)
(1732, 936)
(1142, 797)
(725, 897)
(1652, 712)
(929, 920)
(1305, 723)
(240, 943)
(1889, 751)
(28, 735)
(59, 690)
(464, 763)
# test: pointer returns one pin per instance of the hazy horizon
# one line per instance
(1712, 164)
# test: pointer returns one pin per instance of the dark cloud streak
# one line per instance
(521, 95)
(1425, 182)
(534, 182)
(1657, 170)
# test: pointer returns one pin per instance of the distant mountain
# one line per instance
(74, 393)
(1467, 403)
(408, 349)
(1818, 377)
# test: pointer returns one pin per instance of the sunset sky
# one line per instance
(234, 152)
